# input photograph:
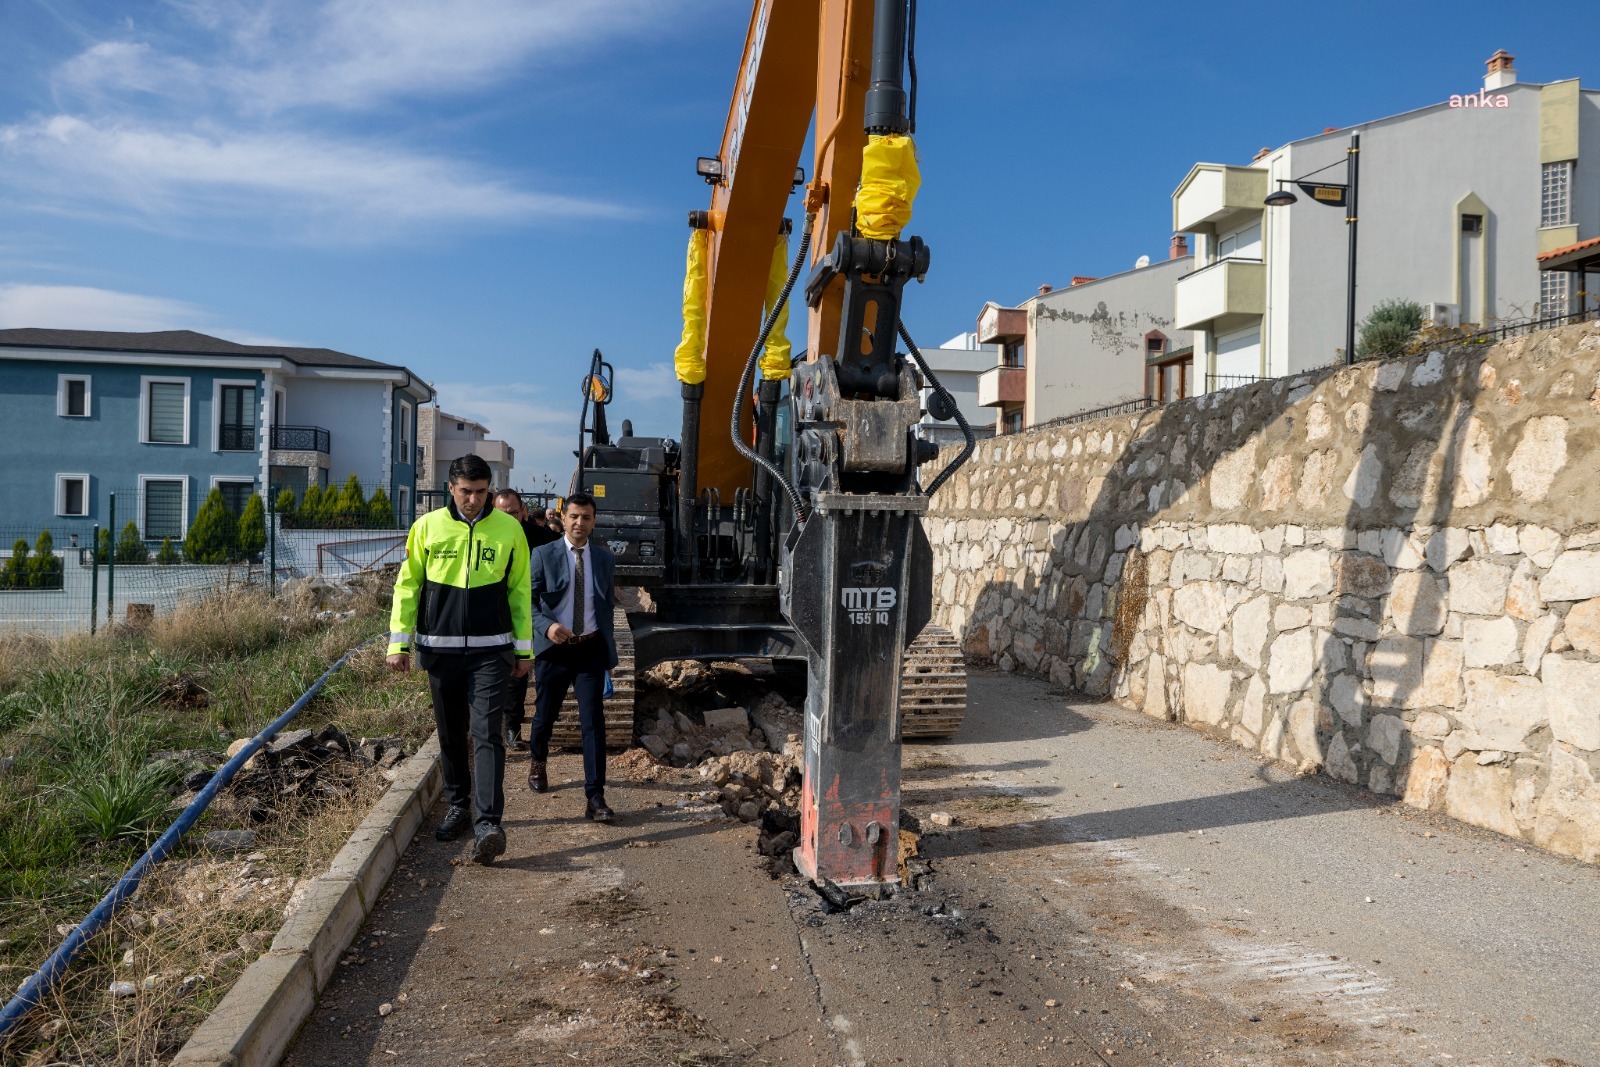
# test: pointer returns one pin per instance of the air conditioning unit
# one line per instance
(1442, 314)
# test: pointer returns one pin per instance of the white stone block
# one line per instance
(1307, 573)
(1489, 642)
(1572, 692)
(1478, 587)
(1574, 576)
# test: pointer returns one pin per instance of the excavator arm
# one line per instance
(854, 567)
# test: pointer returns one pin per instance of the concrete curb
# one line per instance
(255, 1022)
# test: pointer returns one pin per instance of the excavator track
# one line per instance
(619, 707)
(933, 686)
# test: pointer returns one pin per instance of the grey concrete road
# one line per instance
(1357, 929)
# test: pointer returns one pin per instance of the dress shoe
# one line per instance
(598, 810)
(453, 825)
(489, 843)
(515, 743)
(536, 777)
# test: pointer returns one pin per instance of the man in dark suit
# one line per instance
(538, 534)
(573, 646)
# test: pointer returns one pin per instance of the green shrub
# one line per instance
(1386, 330)
(214, 537)
(380, 513)
(350, 507)
(309, 514)
(285, 506)
(44, 569)
(102, 551)
(168, 554)
(252, 528)
(131, 547)
(106, 800)
(15, 575)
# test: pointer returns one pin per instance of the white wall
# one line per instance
(352, 412)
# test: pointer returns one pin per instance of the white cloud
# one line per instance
(654, 386)
(80, 307)
(320, 188)
(83, 307)
(241, 112)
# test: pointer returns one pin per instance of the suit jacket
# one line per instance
(550, 574)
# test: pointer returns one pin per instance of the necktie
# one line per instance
(580, 595)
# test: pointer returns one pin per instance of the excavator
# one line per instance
(784, 522)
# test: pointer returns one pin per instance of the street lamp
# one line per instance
(1334, 196)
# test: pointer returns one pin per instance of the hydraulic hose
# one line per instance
(961, 420)
(749, 374)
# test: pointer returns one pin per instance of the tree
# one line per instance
(214, 537)
(252, 528)
(102, 552)
(350, 508)
(15, 575)
(379, 511)
(131, 547)
(309, 514)
(1386, 330)
(284, 507)
(168, 555)
(45, 569)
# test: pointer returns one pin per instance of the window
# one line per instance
(72, 396)
(1555, 194)
(403, 439)
(72, 494)
(1012, 421)
(236, 495)
(164, 411)
(403, 515)
(1555, 293)
(1240, 244)
(164, 507)
(280, 407)
(1015, 354)
(1471, 223)
(236, 417)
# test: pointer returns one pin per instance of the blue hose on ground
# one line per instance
(39, 983)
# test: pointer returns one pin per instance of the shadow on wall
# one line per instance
(1381, 570)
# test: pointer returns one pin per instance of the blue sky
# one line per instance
(486, 190)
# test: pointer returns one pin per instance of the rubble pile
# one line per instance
(298, 764)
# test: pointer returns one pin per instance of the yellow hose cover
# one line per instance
(689, 358)
(775, 358)
(889, 183)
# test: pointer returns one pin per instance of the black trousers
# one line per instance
(581, 668)
(516, 702)
(469, 691)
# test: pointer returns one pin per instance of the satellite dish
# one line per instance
(1141, 263)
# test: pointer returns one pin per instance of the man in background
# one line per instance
(462, 599)
(537, 533)
(574, 647)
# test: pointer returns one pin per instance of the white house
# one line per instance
(1455, 203)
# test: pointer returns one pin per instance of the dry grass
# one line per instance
(226, 624)
(203, 919)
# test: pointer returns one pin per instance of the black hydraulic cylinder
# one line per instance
(688, 477)
(886, 95)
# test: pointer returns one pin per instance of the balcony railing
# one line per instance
(301, 439)
(1229, 381)
(236, 438)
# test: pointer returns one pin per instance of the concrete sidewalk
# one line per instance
(1303, 894)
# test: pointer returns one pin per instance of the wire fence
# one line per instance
(127, 555)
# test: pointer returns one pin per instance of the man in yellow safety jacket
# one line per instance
(462, 600)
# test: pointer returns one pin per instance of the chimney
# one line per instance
(1180, 246)
(1046, 288)
(1501, 72)
(1261, 155)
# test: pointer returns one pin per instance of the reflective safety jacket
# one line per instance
(463, 586)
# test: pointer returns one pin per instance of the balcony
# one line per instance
(1213, 193)
(999, 386)
(996, 324)
(1229, 294)
(301, 439)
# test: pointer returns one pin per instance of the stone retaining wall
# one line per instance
(1390, 571)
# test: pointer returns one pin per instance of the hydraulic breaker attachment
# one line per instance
(865, 575)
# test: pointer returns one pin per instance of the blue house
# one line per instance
(160, 419)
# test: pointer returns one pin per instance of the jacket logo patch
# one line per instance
(487, 554)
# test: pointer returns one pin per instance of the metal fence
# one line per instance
(1125, 407)
(1230, 381)
(139, 552)
(1431, 337)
